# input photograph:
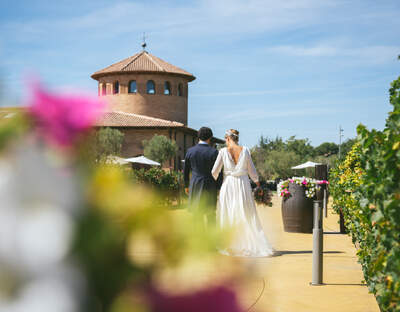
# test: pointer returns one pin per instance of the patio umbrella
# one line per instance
(116, 160)
(142, 160)
(308, 164)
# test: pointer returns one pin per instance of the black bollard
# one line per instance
(321, 173)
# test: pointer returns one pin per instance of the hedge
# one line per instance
(366, 188)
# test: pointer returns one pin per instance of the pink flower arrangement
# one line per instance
(323, 182)
(61, 119)
(304, 182)
(216, 299)
(285, 193)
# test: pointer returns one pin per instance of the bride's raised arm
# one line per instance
(251, 168)
(217, 166)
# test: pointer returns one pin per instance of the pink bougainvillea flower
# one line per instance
(61, 119)
(215, 299)
(304, 182)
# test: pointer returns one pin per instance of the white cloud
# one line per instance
(372, 54)
(204, 18)
(258, 92)
(258, 114)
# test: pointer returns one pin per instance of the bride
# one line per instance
(236, 206)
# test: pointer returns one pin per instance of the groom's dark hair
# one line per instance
(205, 133)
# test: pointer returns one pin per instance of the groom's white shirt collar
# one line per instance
(202, 142)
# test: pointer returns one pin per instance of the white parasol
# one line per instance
(308, 164)
(142, 160)
(116, 160)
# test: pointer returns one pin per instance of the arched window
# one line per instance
(116, 87)
(132, 86)
(167, 88)
(103, 89)
(151, 88)
(180, 90)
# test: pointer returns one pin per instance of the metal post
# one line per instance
(340, 141)
(321, 173)
(317, 263)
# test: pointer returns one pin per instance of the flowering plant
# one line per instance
(62, 119)
(310, 185)
(108, 245)
(262, 195)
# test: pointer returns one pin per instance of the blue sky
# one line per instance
(294, 67)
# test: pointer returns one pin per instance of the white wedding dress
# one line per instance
(236, 206)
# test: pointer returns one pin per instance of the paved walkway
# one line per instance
(287, 277)
(281, 284)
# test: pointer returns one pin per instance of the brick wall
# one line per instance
(133, 146)
(169, 107)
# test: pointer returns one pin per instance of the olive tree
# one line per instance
(159, 148)
(106, 142)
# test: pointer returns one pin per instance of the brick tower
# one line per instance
(146, 85)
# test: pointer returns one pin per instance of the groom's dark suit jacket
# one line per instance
(203, 188)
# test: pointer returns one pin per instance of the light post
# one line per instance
(340, 140)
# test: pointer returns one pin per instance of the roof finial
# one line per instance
(144, 42)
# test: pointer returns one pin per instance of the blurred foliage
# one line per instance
(12, 128)
(159, 148)
(366, 187)
(124, 247)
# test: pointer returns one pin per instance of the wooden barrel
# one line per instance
(297, 211)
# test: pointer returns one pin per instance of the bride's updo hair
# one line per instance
(233, 134)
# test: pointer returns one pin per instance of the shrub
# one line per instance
(167, 184)
(366, 187)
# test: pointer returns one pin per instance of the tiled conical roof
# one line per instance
(143, 62)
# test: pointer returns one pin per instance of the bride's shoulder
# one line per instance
(222, 150)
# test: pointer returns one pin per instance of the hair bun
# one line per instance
(235, 132)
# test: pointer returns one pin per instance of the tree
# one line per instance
(159, 148)
(327, 149)
(268, 144)
(278, 164)
(301, 147)
(107, 141)
(347, 146)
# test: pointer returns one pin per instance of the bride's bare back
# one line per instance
(235, 152)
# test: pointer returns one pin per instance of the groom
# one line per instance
(203, 188)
